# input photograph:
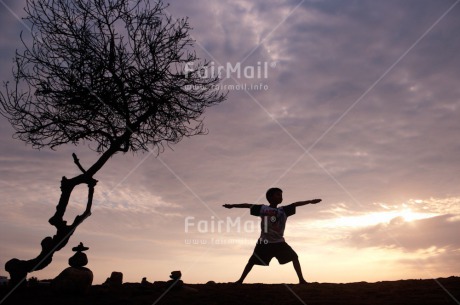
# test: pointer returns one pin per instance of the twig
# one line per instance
(77, 162)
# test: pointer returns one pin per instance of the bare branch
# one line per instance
(97, 70)
(77, 162)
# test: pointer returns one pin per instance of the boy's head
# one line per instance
(274, 196)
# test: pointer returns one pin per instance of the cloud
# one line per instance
(438, 232)
(411, 226)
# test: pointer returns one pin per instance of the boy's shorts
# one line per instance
(263, 253)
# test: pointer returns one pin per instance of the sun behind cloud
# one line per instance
(359, 219)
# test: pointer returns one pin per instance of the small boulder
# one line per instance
(115, 279)
(175, 275)
(73, 280)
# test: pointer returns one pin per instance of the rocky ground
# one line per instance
(406, 292)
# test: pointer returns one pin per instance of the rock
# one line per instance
(175, 275)
(144, 282)
(79, 259)
(79, 248)
(115, 279)
(211, 283)
(73, 280)
(175, 284)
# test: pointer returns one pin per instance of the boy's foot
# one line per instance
(239, 282)
(303, 282)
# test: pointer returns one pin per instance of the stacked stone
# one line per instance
(176, 282)
(76, 279)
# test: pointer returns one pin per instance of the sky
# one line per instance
(357, 103)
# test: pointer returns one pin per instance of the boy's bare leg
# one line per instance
(246, 271)
(298, 270)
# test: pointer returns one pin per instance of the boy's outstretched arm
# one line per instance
(238, 205)
(300, 203)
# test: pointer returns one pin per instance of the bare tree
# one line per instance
(108, 72)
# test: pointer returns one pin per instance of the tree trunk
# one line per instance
(18, 269)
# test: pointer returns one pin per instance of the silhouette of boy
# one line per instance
(271, 242)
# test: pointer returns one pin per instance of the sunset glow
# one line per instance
(379, 218)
